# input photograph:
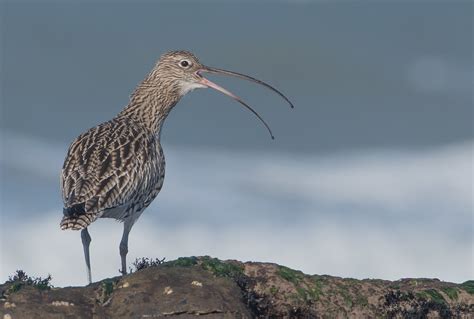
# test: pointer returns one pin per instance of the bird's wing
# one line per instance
(102, 167)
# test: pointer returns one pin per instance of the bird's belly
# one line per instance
(118, 212)
(151, 185)
(135, 207)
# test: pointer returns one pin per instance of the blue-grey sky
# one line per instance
(372, 169)
(361, 74)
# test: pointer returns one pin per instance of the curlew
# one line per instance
(116, 169)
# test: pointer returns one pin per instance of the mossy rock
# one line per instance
(220, 268)
(291, 275)
(182, 262)
(468, 286)
(433, 295)
(451, 292)
(217, 267)
(229, 289)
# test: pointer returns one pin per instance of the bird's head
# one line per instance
(180, 69)
(183, 71)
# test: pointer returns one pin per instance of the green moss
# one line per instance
(220, 268)
(362, 301)
(377, 282)
(15, 287)
(422, 295)
(106, 290)
(274, 290)
(108, 287)
(347, 298)
(395, 286)
(431, 294)
(468, 286)
(342, 290)
(305, 292)
(316, 290)
(351, 281)
(214, 265)
(182, 262)
(451, 292)
(302, 293)
(293, 276)
(436, 296)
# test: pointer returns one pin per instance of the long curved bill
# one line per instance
(216, 87)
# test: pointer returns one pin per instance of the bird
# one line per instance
(117, 168)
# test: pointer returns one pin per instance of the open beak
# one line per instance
(214, 86)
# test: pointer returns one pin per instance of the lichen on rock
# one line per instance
(213, 288)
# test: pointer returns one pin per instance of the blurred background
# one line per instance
(370, 176)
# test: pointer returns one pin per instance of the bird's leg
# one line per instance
(127, 226)
(86, 240)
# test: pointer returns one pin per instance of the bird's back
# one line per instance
(114, 167)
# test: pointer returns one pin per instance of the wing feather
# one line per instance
(105, 167)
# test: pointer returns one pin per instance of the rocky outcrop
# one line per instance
(211, 288)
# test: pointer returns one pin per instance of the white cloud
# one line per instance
(385, 179)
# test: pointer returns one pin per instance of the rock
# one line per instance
(210, 288)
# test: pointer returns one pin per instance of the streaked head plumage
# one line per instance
(181, 68)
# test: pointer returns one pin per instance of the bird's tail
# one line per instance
(77, 223)
(76, 218)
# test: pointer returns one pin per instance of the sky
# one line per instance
(370, 176)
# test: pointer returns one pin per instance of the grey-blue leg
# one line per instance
(86, 240)
(127, 226)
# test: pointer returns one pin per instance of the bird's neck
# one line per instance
(151, 103)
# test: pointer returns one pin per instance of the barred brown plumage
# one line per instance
(116, 169)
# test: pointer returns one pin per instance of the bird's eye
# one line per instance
(184, 63)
